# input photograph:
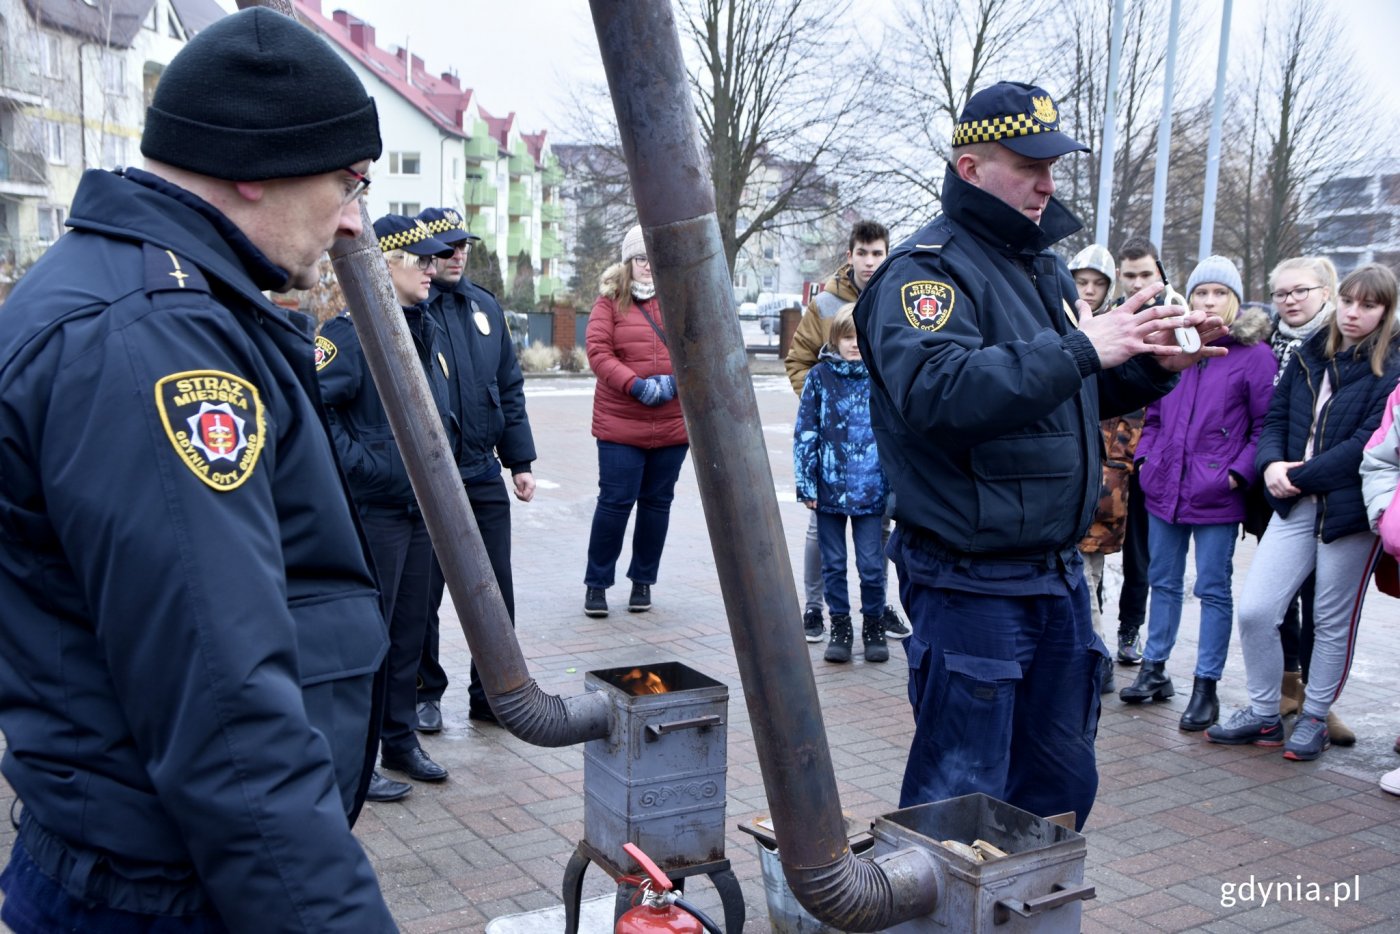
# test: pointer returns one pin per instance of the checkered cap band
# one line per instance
(397, 241)
(995, 128)
(444, 225)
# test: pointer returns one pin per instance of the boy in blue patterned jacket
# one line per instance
(838, 474)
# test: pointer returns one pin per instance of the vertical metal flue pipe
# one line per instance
(675, 204)
(518, 701)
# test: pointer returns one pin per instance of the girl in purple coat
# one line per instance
(1195, 462)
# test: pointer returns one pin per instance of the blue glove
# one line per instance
(646, 391)
(668, 386)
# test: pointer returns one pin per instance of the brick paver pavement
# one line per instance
(1176, 818)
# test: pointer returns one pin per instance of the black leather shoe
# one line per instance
(1203, 709)
(386, 789)
(1152, 681)
(482, 713)
(640, 599)
(416, 765)
(429, 716)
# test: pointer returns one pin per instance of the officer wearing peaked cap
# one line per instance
(990, 379)
(191, 633)
(487, 396)
(393, 523)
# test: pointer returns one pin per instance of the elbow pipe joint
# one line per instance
(858, 894)
(543, 719)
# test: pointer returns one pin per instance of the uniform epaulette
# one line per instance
(168, 272)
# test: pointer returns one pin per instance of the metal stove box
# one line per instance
(1039, 886)
(658, 780)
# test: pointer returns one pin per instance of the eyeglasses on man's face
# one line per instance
(1298, 294)
(355, 190)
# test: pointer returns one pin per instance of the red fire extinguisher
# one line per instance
(659, 909)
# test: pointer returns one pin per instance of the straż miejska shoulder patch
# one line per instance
(216, 423)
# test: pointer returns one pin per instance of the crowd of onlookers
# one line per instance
(1276, 438)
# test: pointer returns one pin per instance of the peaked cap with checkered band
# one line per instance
(446, 224)
(396, 232)
(1022, 117)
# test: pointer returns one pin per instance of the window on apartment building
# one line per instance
(113, 151)
(113, 72)
(408, 208)
(50, 55)
(768, 282)
(51, 218)
(768, 252)
(53, 142)
(405, 163)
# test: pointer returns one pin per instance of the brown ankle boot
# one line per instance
(1339, 732)
(1292, 700)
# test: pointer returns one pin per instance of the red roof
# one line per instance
(440, 98)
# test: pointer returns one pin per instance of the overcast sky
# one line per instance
(523, 55)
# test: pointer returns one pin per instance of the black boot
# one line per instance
(1152, 682)
(838, 649)
(1203, 709)
(872, 633)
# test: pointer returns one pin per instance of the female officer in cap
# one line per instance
(379, 483)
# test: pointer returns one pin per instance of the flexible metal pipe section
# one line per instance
(675, 203)
(518, 702)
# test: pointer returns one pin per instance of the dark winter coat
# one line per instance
(486, 389)
(620, 352)
(1205, 430)
(1345, 424)
(986, 397)
(360, 428)
(835, 461)
(189, 627)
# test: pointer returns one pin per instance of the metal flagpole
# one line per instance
(1164, 131)
(1110, 130)
(1213, 147)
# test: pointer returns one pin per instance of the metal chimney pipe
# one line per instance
(517, 700)
(675, 204)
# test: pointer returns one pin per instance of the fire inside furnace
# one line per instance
(638, 682)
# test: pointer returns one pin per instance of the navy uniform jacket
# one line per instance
(359, 425)
(487, 390)
(987, 398)
(189, 629)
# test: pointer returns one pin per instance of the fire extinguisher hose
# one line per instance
(700, 916)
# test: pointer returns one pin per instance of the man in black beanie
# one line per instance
(191, 633)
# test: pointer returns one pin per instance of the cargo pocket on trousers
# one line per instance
(976, 704)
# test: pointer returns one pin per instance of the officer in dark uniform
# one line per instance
(488, 400)
(393, 523)
(190, 630)
(988, 391)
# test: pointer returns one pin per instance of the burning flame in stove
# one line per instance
(638, 682)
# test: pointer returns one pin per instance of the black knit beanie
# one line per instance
(258, 96)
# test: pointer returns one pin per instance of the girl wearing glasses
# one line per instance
(1303, 290)
(379, 485)
(1327, 406)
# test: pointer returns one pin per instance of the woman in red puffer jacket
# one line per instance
(639, 426)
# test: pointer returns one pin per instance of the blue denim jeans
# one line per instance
(1166, 570)
(870, 562)
(627, 476)
(1004, 686)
